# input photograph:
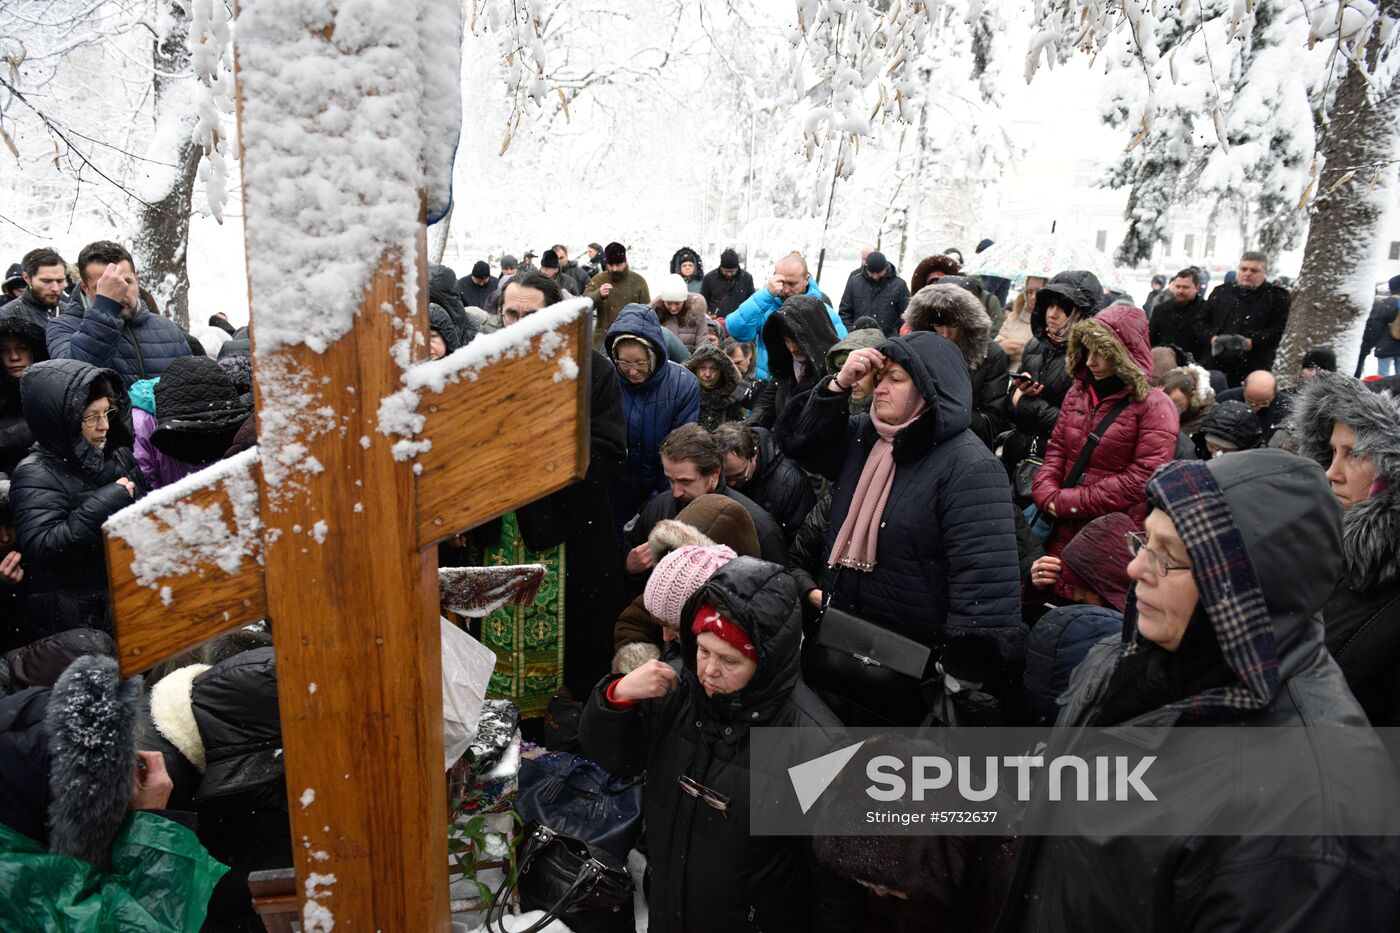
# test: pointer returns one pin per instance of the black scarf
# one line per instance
(1152, 677)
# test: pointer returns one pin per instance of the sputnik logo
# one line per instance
(811, 778)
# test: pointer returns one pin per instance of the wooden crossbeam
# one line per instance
(216, 583)
(485, 433)
(513, 435)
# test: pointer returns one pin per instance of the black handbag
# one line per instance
(576, 797)
(870, 667)
(1023, 475)
(582, 886)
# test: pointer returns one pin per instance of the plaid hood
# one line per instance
(1260, 587)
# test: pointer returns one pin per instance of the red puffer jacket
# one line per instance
(1142, 438)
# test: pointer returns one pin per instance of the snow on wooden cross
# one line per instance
(368, 455)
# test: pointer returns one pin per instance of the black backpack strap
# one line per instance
(1081, 464)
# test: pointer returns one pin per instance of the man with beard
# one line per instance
(613, 289)
(45, 278)
(110, 326)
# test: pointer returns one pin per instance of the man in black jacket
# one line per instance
(754, 465)
(1252, 310)
(45, 277)
(1377, 335)
(693, 466)
(476, 289)
(725, 288)
(1179, 317)
(877, 292)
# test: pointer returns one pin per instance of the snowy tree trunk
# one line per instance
(162, 224)
(1336, 285)
(437, 235)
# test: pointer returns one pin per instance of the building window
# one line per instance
(1188, 244)
(1395, 250)
(1101, 241)
(1210, 245)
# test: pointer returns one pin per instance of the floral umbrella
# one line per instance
(1043, 254)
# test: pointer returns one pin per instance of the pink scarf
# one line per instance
(855, 542)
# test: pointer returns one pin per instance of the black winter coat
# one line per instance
(806, 557)
(779, 485)
(442, 290)
(1033, 418)
(884, 299)
(1186, 326)
(990, 382)
(808, 320)
(708, 873)
(15, 437)
(62, 493)
(946, 564)
(1259, 314)
(27, 309)
(240, 795)
(723, 296)
(1376, 335)
(474, 295)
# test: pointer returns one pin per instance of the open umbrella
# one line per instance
(1043, 254)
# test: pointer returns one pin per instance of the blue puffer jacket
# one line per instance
(667, 400)
(1058, 644)
(747, 322)
(946, 564)
(139, 348)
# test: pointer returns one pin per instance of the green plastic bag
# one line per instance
(160, 880)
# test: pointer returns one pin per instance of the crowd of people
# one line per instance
(1068, 507)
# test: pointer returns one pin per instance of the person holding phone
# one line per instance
(1033, 404)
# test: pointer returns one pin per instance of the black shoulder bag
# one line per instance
(870, 667)
(1043, 523)
(571, 881)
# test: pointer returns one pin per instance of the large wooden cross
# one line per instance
(329, 529)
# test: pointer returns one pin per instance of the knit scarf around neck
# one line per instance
(855, 542)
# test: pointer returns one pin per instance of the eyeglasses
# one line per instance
(627, 367)
(695, 789)
(104, 417)
(1161, 566)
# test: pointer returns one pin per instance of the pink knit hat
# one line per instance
(678, 575)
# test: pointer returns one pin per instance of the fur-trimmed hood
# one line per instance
(951, 304)
(1119, 334)
(1370, 529)
(723, 391)
(91, 726)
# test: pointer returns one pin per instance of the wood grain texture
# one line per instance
(203, 604)
(509, 437)
(355, 625)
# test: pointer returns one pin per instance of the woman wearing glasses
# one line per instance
(689, 733)
(80, 472)
(1223, 630)
(658, 396)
